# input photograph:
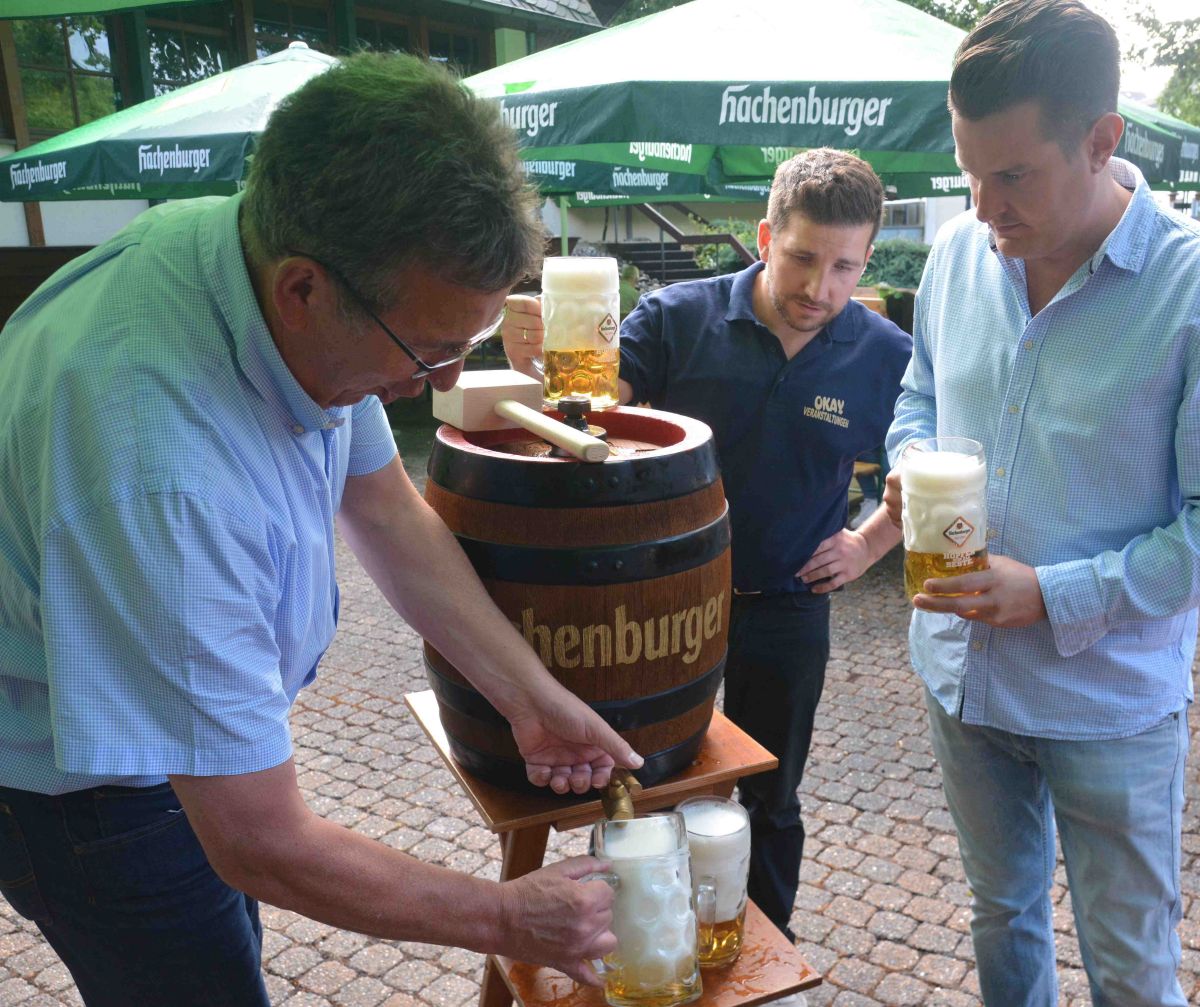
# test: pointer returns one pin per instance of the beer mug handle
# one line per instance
(539, 363)
(706, 909)
(613, 882)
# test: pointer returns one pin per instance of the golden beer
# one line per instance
(581, 311)
(655, 963)
(922, 566)
(718, 832)
(721, 943)
(943, 488)
(581, 372)
(635, 992)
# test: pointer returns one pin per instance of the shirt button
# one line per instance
(1014, 409)
(1000, 472)
(977, 645)
(1029, 344)
(297, 429)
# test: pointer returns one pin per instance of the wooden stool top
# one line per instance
(726, 753)
(768, 967)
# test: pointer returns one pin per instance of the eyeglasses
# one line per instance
(453, 354)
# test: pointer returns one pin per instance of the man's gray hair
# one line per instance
(384, 161)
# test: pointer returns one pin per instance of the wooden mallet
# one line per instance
(498, 400)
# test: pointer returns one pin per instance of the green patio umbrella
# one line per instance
(1187, 175)
(726, 91)
(194, 141)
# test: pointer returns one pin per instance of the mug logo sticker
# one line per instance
(607, 328)
(959, 531)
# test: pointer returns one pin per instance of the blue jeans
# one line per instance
(118, 884)
(774, 674)
(1118, 806)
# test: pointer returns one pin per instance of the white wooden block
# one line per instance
(470, 404)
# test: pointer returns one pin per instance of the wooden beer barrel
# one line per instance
(617, 574)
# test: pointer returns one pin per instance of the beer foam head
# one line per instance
(564, 274)
(640, 837)
(942, 473)
(706, 818)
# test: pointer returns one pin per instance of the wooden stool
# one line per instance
(769, 966)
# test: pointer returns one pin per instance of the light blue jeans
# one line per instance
(1119, 810)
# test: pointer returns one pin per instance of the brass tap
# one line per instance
(617, 797)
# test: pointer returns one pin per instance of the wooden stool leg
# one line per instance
(524, 850)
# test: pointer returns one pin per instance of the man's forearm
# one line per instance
(329, 873)
(421, 570)
(881, 535)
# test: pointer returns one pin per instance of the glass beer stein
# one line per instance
(655, 963)
(581, 311)
(718, 832)
(944, 509)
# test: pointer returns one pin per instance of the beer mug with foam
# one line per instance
(944, 514)
(719, 839)
(581, 309)
(655, 963)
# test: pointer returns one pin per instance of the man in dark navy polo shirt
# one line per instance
(796, 380)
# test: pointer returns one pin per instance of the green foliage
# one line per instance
(960, 13)
(896, 262)
(1175, 44)
(50, 51)
(719, 255)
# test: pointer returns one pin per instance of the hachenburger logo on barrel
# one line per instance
(624, 639)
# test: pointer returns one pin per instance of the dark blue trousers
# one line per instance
(778, 649)
(116, 880)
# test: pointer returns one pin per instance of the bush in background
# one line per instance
(720, 256)
(897, 262)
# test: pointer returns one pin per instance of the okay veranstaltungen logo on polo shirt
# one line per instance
(828, 409)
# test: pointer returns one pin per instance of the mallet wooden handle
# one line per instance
(581, 445)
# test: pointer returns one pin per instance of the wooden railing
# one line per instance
(676, 234)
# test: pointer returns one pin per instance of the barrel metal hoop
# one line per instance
(511, 775)
(615, 564)
(621, 715)
(495, 479)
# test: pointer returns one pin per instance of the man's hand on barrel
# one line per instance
(551, 917)
(565, 743)
(522, 333)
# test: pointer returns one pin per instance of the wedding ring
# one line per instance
(524, 335)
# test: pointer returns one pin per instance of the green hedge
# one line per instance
(897, 262)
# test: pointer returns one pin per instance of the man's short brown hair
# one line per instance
(826, 186)
(1058, 53)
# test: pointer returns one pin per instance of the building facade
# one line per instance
(60, 72)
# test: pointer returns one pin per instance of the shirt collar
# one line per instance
(1126, 245)
(253, 348)
(841, 328)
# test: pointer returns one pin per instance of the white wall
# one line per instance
(938, 210)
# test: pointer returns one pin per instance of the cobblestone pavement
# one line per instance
(882, 908)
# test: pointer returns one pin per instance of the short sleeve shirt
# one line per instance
(787, 431)
(167, 494)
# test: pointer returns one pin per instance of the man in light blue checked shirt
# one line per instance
(1059, 325)
(187, 409)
